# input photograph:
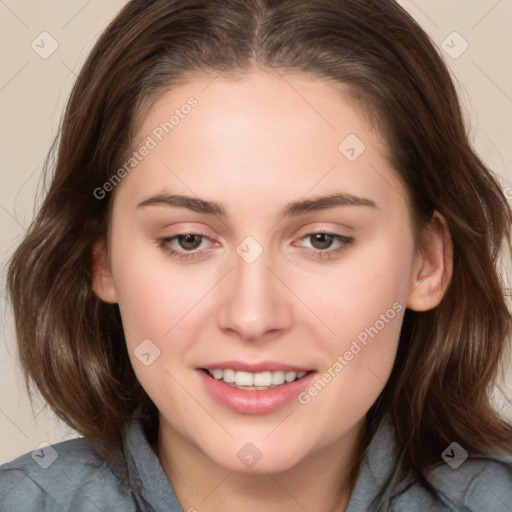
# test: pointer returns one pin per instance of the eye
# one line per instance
(321, 244)
(184, 245)
(189, 241)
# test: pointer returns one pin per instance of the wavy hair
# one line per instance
(71, 344)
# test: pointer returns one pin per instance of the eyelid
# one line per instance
(165, 244)
(344, 242)
(198, 254)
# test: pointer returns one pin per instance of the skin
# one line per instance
(253, 145)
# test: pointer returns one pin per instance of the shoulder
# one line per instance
(458, 482)
(71, 475)
(479, 483)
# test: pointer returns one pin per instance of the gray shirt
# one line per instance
(73, 476)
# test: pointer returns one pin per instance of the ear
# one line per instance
(433, 266)
(102, 280)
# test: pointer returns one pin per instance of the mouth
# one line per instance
(254, 388)
(259, 381)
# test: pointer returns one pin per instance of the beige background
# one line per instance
(33, 91)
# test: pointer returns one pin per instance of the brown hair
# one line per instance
(71, 344)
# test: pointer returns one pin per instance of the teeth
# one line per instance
(244, 379)
(277, 378)
(217, 374)
(261, 379)
(290, 376)
(255, 380)
(227, 375)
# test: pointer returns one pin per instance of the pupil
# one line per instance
(322, 240)
(187, 241)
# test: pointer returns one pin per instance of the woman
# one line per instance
(265, 273)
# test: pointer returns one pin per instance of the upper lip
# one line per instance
(263, 366)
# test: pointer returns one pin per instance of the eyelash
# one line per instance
(164, 244)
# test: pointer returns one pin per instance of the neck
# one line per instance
(322, 481)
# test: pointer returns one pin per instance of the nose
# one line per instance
(255, 303)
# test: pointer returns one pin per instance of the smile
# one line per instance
(255, 381)
(267, 388)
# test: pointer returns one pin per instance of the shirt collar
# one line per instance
(146, 473)
(378, 470)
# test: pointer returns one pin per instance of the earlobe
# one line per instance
(102, 280)
(433, 266)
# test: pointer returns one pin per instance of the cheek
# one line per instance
(154, 296)
(157, 303)
(371, 283)
(363, 304)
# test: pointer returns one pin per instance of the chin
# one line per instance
(258, 457)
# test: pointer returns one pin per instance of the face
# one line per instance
(262, 236)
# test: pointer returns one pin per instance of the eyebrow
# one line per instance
(292, 209)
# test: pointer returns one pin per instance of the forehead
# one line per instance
(260, 134)
(263, 101)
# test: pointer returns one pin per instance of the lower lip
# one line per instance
(253, 401)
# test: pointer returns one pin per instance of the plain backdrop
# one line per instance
(474, 37)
